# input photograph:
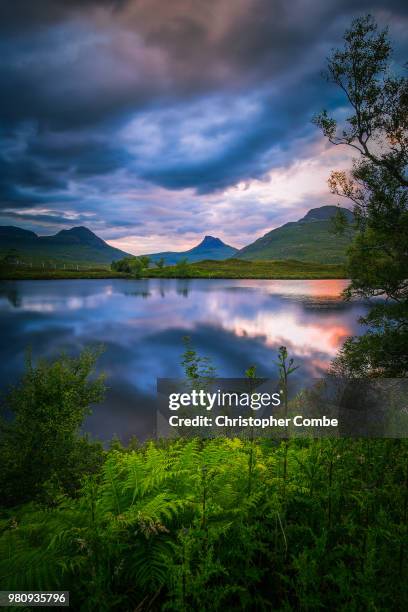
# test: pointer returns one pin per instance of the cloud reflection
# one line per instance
(141, 324)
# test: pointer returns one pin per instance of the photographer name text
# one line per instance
(263, 423)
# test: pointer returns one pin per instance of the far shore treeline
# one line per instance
(131, 268)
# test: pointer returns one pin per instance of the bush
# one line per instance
(128, 265)
(182, 268)
(41, 450)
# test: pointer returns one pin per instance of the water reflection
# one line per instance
(141, 324)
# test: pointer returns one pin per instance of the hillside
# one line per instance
(308, 239)
(75, 245)
(209, 248)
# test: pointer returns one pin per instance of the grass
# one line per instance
(311, 242)
(22, 273)
(230, 268)
(238, 268)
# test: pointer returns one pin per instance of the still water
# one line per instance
(141, 324)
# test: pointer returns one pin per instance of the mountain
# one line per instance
(9, 232)
(78, 236)
(75, 245)
(308, 239)
(209, 248)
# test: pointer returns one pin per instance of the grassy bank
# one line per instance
(231, 268)
(21, 273)
(237, 268)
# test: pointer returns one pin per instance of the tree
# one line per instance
(378, 99)
(183, 268)
(128, 265)
(144, 261)
(136, 267)
(377, 129)
(121, 265)
(377, 184)
(40, 445)
(339, 223)
(160, 263)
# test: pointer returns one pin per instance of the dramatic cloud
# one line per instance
(154, 122)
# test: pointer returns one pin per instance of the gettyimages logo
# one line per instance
(208, 401)
(329, 407)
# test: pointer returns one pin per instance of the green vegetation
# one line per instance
(182, 268)
(377, 187)
(131, 267)
(237, 268)
(174, 527)
(76, 246)
(28, 273)
(223, 524)
(310, 240)
(40, 451)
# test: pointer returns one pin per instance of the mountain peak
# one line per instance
(78, 234)
(308, 239)
(323, 213)
(79, 230)
(211, 242)
(76, 244)
(16, 233)
(209, 248)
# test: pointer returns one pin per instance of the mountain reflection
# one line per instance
(141, 324)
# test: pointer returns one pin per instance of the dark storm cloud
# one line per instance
(180, 94)
(96, 60)
(54, 218)
(23, 15)
(25, 181)
(30, 173)
(247, 152)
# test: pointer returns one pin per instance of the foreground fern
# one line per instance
(176, 527)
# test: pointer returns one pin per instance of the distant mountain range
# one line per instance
(75, 245)
(308, 239)
(209, 248)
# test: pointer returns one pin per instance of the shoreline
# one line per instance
(91, 276)
(208, 269)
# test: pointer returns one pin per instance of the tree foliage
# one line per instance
(40, 449)
(144, 261)
(377, 129)
(182, 268)
(377, 126)
(128, 265)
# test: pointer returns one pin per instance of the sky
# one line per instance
(154, 123)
